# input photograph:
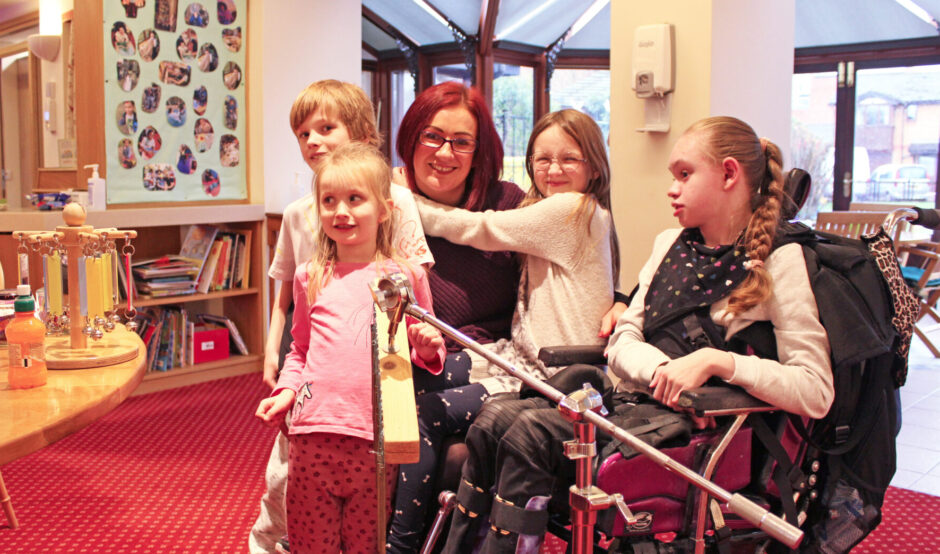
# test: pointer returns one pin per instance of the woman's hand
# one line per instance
(609, 321)
(425, 339)
(689, 372)
(271, 410)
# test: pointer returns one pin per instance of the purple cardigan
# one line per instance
(472, 290)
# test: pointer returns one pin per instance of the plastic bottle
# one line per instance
(26, 336)
(97, 193)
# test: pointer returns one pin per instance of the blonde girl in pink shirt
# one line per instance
(327, 378)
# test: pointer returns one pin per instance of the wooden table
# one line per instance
(70, 400)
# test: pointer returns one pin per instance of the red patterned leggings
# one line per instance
(331, 496)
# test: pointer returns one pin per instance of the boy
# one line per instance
(326, 115)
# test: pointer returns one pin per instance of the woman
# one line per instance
(453, 154)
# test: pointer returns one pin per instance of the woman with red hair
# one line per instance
(453, 154)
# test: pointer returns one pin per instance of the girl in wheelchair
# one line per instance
(718, 274)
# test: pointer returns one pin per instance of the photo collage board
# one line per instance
(174, 95)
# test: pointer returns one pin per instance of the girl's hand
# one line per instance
(425, 339)
(271, 410)
(609, 321)
(689, 372)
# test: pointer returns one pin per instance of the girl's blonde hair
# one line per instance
(352, 163)
(344, 101)
(762, 166)
(589, 137)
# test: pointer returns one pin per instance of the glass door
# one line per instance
(897, 129)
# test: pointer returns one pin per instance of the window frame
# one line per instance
(846, 61)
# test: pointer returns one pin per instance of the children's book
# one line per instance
(208, 273)
(164, 266)
(198, 243)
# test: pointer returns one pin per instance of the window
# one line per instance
(403, 94)
(895, 141)
(513, 112)
(882, 102)
(586, 90)
(812, 137)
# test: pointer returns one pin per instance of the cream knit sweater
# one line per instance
(566, 285)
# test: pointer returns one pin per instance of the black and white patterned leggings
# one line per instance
(447, 404)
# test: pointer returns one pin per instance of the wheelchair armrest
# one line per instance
(721, 400)
(577, 354)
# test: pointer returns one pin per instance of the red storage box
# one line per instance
(210, 343)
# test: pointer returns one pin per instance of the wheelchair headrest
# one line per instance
(796, 187)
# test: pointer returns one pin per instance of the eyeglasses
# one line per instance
(567, 162)
(464, 145)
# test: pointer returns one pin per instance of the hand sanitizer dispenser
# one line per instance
(97, 197)
(654, 73)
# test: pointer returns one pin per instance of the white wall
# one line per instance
(303, 41)
(733, 57)
(752, 69)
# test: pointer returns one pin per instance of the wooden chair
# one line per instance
(921, 271)
(7, 505)
(850, 224)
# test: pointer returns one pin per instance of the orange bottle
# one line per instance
(26, 336)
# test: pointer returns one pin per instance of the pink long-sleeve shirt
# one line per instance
(329, 365)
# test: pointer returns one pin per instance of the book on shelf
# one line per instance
(198, 243)
(201, 266)
(169, 265)
(234, 335)
(226, 265)
(169, 334)
(205, 279)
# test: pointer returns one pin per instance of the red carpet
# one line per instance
(182, 471)
(172, 471)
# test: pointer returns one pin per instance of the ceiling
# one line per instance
(540, 24)
(534, 24)
(834, 22)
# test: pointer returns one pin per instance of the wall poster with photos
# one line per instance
(174, 96)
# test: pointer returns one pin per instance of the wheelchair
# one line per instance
(663, 513)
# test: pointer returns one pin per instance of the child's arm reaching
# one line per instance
(427, 344)
(546, 229)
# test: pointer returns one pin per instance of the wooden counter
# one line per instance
(70, 400)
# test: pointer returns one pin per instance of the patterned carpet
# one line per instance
(172, 471)
(182, 471)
